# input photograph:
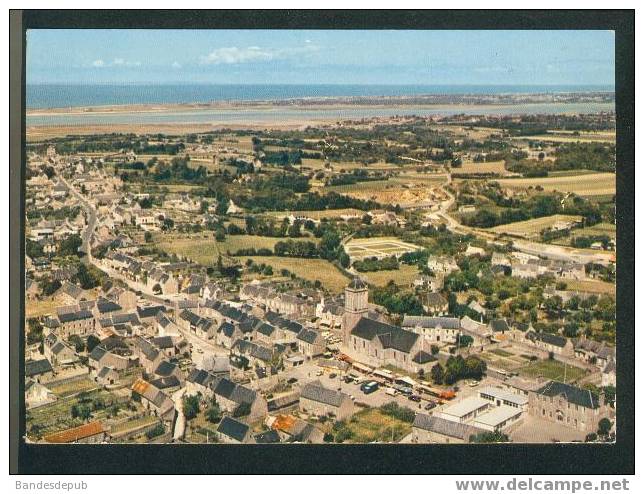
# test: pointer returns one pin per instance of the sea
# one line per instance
(47, 96)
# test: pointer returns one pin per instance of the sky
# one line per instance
(320, 57)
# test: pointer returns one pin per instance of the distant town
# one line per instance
(404, 279)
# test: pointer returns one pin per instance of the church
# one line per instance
(375, 342)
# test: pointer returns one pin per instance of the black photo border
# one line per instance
(551, 459)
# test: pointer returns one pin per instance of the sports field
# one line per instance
(379, 247)
(588, 184)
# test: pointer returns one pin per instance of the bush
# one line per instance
(396, 411)
(156, 431)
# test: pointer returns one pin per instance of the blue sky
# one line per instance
(322, 57)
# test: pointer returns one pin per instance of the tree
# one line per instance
(92, 342)
(79, 344)
(603, 427)
(213, 414)
(437, 374)
(191, 406)
(148, 237)
(489, 437)
(70, 246)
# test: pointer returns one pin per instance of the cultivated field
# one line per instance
(532, 228)
(593, 286)
(360, 248)
(372, 425)
(308, 269)
(497, 167)
(318, 215)
(590, 184)
(204, 249)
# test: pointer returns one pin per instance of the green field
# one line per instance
(73, 387)
(404, 275)
(204, 249)
(372, 425)
(308, 269)
(552, 369)
(587, 184)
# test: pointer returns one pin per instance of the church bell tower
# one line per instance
(356, 306)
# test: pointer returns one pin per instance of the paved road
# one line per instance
(91, 218)
(180, 424)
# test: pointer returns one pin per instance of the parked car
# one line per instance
(319, 373)
(333, 375)
(391, 391)
(473, 383)
(292, 380)
(415, 398)
(369, 387)
(430, 405)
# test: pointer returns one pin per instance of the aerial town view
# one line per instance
(283, 239)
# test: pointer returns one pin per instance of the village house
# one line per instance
(37, 394)
(233, 431)
(310, 343)
(429, 282)
(442, 265)
(294, 430)
(154, 400)
(329, 312)
(112, 352)
(594, 352)
(567, 405)
(319, 401)
(434, 329)
(237, 399)
(434, 429)
(74, 321)
(559, 345)
(58, 352)
(39, 370)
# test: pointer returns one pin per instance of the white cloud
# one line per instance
(176, 65)
(234, 54)
(117, 62)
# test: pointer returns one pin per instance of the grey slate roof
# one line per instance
(268, 437)
(499, 325)
(316, 392)
(233, 428)
(550, 339)
(36, 367)
(234, 392)
(431, 322)
(308, 335)
(444, 427)
(574, 395)
(390, 336)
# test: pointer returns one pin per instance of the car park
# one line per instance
(369, 387)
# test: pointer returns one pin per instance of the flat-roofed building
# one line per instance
(497, 418)
(465, 410)
(501, 397)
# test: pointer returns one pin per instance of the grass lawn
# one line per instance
(372, 425)
(501, 352)
(402, 276)
(73, 387)
(308, 269)
(533, 227)
(552, 369)
(37, 308)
